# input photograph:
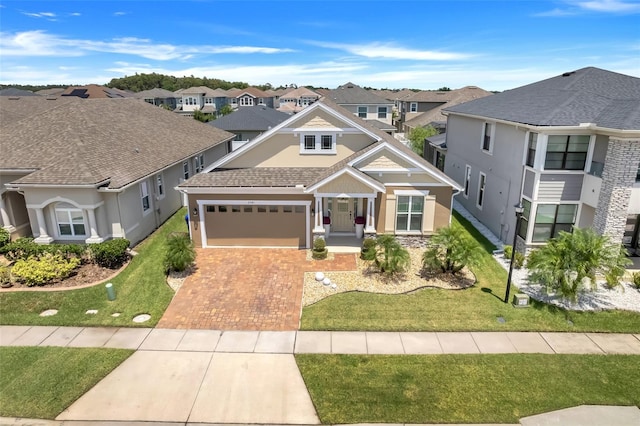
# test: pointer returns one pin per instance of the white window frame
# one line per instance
(160, 186)
(198, 163)
(467, 181)
(68, 211)
(144, 194)
(413, 107)
(410, 213)
(382, 112)
(318, 143)
(186, 170)
(491, 136)
(366, 111)
(482, 186)
(246, 101)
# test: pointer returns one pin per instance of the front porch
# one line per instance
(344, 243)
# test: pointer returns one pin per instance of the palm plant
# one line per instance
(450, 250)
(390, 256)
(572, 261)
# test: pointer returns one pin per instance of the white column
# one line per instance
(318, 225)
(94, 238)
(43, 238)
(4, 216)
(371, 214)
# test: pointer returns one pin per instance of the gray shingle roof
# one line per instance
(455, 97)
(12, 91)
(588, 95)
(89, 141)
(155, 93)
(256, 118)
(352, 94)
(256, 177)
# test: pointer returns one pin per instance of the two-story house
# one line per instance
(567, 147)
(362, 103)
(251, 96)
(295, 100)
(202, 98)
(159, 97)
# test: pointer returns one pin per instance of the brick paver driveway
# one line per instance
(246, 289)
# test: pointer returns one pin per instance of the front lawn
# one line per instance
(474, 309)
(140, 288)
(463, 388)
(40, 382)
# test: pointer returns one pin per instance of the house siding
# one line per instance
(529, 183)
(560, 187)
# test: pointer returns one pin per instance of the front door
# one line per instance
(342, 215)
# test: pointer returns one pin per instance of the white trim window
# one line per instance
(160, 186)
(467, 181)
(413, 107)
(318, 143)
(409, 212)
(246, 101)
(488, 132)
(382, 112)
(198, 161)
(70, 221)
(185, 170)
(482, 183)
(144, 197)
(363, 111)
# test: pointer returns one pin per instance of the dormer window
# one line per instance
(318, 143)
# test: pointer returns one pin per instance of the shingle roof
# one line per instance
(156, 92)
(352, 94)
(456, 97)
(12, 91)
(266, 177)
(204, 90)
(94, 91)
(256, 118)
(381, 125)
(253, 91)
(587, 95)
(299, 93)
(86, 142)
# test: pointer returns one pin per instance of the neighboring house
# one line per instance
(567, 147)
(294, 101)
(94, 91)
(322, 162)
(435, 150)
(361, 102)
(276, 94)
(75, 170)
(159, 97)
(248, 123)
(55, 91)
(250, 96)
(14, 92)
(430, 113)
(202, 98)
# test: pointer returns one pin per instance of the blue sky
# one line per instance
(496, 45)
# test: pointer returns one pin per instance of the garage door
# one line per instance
(254, 225)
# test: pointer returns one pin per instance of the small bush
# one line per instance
(368, 251)
(110, 254)
(320, 250)
(636, 280)
(508, 251)
(5, 237)
(390, 256)
(22, 248)
(5, 275)
(39, 271)
(180, 252)
(518, 260)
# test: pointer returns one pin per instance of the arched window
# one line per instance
(70, 220)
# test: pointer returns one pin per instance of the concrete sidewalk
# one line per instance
(327, 342)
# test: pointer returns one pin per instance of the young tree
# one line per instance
(390, 256)
(418, 135)
(450, 250)
(225, 110)
(201, 116)
(572, 261)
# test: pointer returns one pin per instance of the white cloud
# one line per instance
(75, 14)
(610, 6)
(119, 13)
(390, 51)
(40, 14)
(40, 43)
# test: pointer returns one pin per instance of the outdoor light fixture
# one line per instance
(518, 209)
(195, 211)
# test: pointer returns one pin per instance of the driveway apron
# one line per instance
(246, 289)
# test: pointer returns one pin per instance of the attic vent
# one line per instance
(51, 98)
(567, 74)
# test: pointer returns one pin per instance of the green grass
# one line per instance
(463, 388)
(40, 382)
(474, 309)
(140, 288)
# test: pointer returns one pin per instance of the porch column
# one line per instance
(370, 228)
(43, 238)
(94, 238)
(318, 225)
(4, 216)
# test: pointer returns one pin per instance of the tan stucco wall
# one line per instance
(345, 184)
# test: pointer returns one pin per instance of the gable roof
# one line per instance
(351, 94)
(299, 93)
(587, 95)
(99, 142)
(252, 91)
(156, 92)
(94, 91)
(258, 118)
(204, 90)
(456, 97)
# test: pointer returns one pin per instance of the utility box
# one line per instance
(521, 300)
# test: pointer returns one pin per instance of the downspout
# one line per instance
(453, 194)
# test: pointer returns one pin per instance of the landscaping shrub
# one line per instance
(518, 260)
(508, 251)
(39, 271)
(368, 251)
(24, 248)
(110, 254)
(636, 280)
(390, 256)
(320, 250)
(5, 237)
(450, 250)
(180, 252)
(5, 275)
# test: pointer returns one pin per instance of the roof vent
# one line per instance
(567, 74)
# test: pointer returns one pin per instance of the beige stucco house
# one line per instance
(86, 170)
(323, 164)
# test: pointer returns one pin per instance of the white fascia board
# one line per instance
(240, 190)
(369, 181)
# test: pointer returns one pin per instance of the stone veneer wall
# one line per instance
(618, 177)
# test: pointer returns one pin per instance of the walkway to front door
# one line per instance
(246, 289)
